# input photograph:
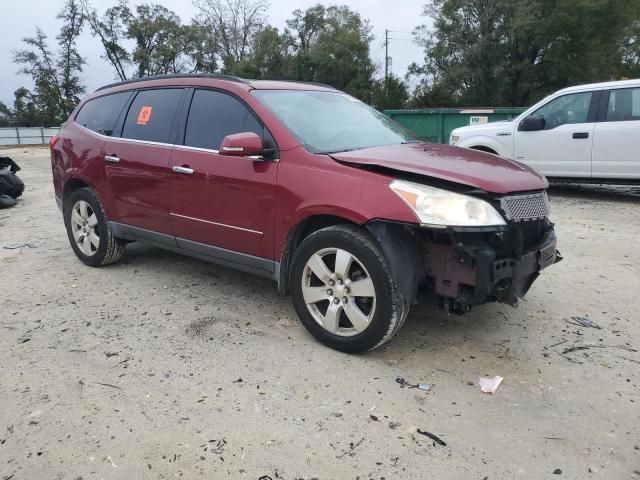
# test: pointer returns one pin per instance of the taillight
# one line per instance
(52, 141)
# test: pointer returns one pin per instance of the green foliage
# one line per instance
(55, 76)
(392, 95)
(25, 111)
(513, 52)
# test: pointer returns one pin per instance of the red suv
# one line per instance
(347, 211)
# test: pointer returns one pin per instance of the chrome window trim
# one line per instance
(123, 139)
(173, 145)
(256, 232)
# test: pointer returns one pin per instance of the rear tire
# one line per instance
(343, 291)
(89, 233)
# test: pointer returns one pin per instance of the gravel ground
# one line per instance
(163, 366)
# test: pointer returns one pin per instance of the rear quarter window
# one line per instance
(151, 115)
(101, 114)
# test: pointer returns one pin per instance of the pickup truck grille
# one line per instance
(519, 208)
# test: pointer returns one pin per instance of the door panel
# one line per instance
(222, 201)
(226, 202)
(137, 164)
(616, 143)
(139, 183)
(563, 148)
(556, 153)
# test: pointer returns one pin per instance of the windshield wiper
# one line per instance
(339, 151)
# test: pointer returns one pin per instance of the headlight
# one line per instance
(453, 139)
(437, 207)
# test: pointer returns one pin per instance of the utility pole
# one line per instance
(386, 61)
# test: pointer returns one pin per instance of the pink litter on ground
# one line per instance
(490, 385)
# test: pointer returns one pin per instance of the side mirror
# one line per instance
(244, 144)
(532, 123)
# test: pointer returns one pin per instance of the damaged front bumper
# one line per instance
(469, 269)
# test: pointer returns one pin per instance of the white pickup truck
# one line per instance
(589, 133)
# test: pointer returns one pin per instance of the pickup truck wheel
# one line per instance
(90, 235)
(343, 291)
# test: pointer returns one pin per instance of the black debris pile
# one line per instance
(11, 187)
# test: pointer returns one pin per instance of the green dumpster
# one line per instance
(436, 124)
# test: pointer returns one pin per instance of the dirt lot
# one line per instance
(163, 366)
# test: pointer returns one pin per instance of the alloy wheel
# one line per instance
(84, 226)
(339, 292)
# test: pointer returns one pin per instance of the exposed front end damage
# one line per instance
(460, 268)
(463, 269)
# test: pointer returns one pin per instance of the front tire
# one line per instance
(343, 291)
(89, 233)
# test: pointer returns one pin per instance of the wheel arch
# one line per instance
(484, 144)
(397, 242)
(483, 148)
(71, 185)
(296, 234)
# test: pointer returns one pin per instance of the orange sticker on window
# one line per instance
(144, 116)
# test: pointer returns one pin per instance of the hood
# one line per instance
(453, 164)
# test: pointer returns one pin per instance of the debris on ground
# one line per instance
(490, 385)
(557, 471)
(15, 247)
(372, 416)
(394, 425)
(432, 436)
(352, 447)
(217, 446)
(584, 322)
(426, 387)
(108, 385)
(586, 347)
(404, 383)
(11, 187)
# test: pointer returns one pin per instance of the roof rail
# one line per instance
(303, 82)
(228, 78)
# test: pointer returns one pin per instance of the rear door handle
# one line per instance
(580, 135)
(111, 158)
(184, 170)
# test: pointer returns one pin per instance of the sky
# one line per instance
(21, 19)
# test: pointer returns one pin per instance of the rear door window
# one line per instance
(213, 115)
(101, 114)
(624, 105)
(151, 114)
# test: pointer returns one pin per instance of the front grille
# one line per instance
(518, 208)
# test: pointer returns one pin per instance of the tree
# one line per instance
(332, 47)
(70, 63)
(513, 52)
(393, 94)
(25, 111)
(56, 77)
(111, 31)
(160, 40)
(234, 24)
(162, 44)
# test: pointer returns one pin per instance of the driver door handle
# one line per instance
(578, 135)
(183, 170)
(111, 158)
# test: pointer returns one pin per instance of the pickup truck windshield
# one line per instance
(327, 122)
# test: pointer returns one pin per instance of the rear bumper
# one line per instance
(475, 269)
